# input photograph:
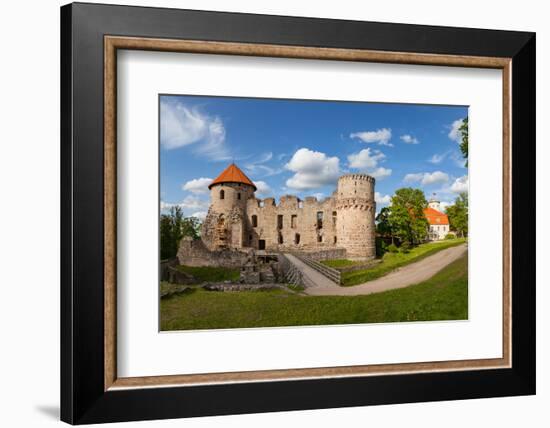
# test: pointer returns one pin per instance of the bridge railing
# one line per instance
(290, 272)
(333, 274)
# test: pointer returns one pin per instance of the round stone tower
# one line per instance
(355, 208)
(230, 190)
(225, 223)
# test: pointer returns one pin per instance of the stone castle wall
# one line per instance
(195, 253)
(292, 224)
(237, 219)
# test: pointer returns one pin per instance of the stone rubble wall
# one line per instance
(194, 253)
(328, 254)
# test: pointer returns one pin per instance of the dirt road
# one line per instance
(400, 278)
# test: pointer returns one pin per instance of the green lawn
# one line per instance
(443, 297)
(211, 274)
(341, 263)
(392, 261)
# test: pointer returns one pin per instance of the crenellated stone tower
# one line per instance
(356, 208)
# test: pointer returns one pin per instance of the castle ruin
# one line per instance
(238, 220)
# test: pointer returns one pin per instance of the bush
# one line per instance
(392, 248)
(381, 247)
(405, 247)
(450, 236)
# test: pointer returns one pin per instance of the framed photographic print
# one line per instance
(266, 213)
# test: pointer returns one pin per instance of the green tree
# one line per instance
(173, 227)
(383, 225)
(458, 215)
(191, 226)
(464, 143)
(406, 217)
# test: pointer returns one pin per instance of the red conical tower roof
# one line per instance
(232, 174)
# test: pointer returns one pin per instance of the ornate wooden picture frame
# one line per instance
(91, 390)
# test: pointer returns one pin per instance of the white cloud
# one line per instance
(409, 139)
(189, 204)
(364, 159)
(427, 178)
(458, 160)
(367, 161)
(197, 185)
(435, 159)
(165, 206)
(182, 126)
(201, 215)
(454, 133)
(435, 178)
(380, 173)
(263, 187)
(380, 136)
(193, 203)
(312, 170)
(382, 199)
(411, 178)
(444, 205)
(460, 185)
(258, 167)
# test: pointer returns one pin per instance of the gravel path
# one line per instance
(400, 278)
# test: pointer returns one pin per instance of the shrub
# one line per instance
(381, 247)
(405, 247)
(450, 236)
(392, 248)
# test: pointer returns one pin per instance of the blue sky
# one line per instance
(301, 147)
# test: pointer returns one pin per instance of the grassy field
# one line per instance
(390, 261)
(213, 274)
(443, 297)
(341, 263)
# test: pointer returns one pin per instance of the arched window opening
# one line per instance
(254, 220)
(297, 238)
(222, 194)
(238, 196)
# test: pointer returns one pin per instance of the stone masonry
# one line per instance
(238, 220)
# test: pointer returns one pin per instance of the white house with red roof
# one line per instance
(438, 221)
